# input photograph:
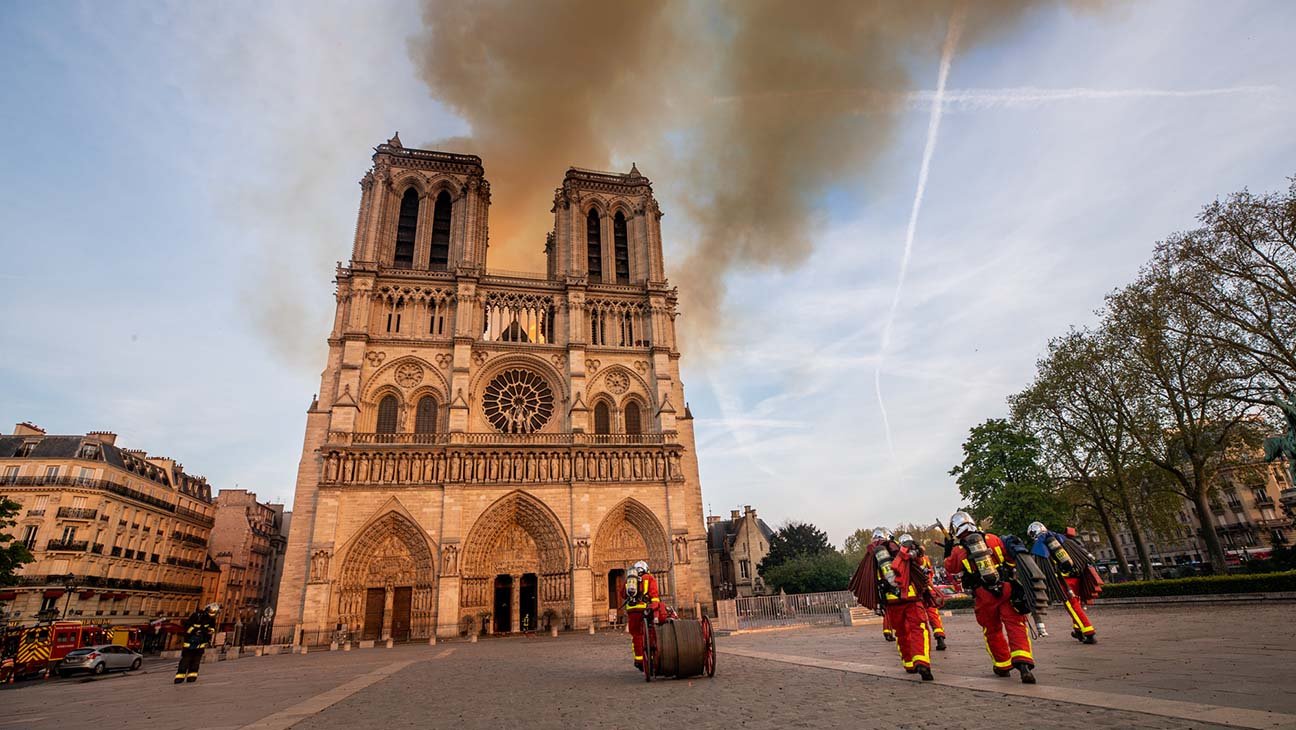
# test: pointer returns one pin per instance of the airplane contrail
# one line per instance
(974, 99)
(933, 129)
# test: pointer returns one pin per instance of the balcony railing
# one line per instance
(503, 439)
(72, 546)
(100, 484)
(95, 581)
(1272, 522)
(195, 516)
(97, 548)
(187, 538)
(77, 513)
(181, 562)
(35, 513)
(1264, 501)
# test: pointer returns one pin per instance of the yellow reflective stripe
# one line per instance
(999, 553)
(925, 656)
(911, 591)
(1022, 653)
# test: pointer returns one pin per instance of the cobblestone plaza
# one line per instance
(1204, 666)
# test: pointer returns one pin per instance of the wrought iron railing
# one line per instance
(77, 546)
(77, 513)
(187, 538)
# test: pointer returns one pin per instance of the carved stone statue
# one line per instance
(319, 566)
(450, 560)
(1284, 446)
(582, 553)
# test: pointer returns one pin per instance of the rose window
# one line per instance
(518, 401)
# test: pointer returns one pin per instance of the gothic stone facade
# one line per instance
(490, 450)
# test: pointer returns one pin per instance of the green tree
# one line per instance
(1003, 480)
(811, 573)
(856, 543)
(13, 554)
(794, 540)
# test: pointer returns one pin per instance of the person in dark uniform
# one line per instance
(200, 628)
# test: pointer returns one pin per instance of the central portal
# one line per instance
(503, 604)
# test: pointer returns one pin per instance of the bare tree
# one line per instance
(1239, 269)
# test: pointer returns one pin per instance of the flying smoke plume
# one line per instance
(710, 100)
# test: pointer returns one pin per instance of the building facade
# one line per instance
(119, 536)
(490, 450)
(1245, 513)
(243, 543)
(736, 547)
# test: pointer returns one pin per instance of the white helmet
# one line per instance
(640, 567)
(961, 523)
(907, 539)
(1036, 529)
(212, 608)
(881, 533)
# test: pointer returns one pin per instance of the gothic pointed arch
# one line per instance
(629, 532)
(406, 225)
(390, 552)
(594, 245)
(516, 535)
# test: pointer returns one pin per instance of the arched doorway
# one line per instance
(515, 561)
(387, 587)
(628, 533)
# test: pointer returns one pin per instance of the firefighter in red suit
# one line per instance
(1057, 548)
(924, 562)
(985, 566)
(645, 602)
(903, 587)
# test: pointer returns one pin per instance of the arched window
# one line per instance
(441, 233)
(425, 416)
(621, 247)
(405, 230)
(594, 247)
(387, 415)
(632, 422)
(602, 419)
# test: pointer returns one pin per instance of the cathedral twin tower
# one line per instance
(490, 450)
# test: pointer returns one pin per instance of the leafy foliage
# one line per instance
(811, 573)
(791, 541)
(13, 554)
(1204, 585)
(1003, 480)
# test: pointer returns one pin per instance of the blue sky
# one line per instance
(177, 181)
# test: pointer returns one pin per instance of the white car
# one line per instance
(99, 659)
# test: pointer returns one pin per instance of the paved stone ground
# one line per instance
(582, 681)
(1235, 656)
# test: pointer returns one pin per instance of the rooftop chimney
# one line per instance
(712, 519)
(107, 438)
(27, 428)
(733, 514)
(747, 510)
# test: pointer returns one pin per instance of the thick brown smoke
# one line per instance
(744, 113)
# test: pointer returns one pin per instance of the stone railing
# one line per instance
(502, 439)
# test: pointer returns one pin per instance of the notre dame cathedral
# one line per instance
(489, 450)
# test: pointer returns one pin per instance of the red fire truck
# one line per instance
(43, 645)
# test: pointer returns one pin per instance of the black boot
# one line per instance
(179, 680)
(1027, 676)
(1090, 639)
(940, 643)
(638, 665)
(1002, 672)
(1075, 634)
(925, 673)
(888, 636)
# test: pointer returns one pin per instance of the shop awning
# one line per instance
(54, 592)
(86, 594)
(8, 595)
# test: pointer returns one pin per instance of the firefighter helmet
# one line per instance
(961, 523)
(881, 533)
(907, 540)
(640, 567)
(212, 608)
(1036, 529)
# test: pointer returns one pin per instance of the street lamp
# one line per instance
(69, 584)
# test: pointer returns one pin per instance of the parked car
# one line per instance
(99, 659)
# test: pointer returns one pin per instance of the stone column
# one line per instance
(388, 604)
(516, 625)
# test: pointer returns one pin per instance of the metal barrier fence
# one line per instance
(792, 610)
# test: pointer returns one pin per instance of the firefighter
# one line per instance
(903, 588)
(986, 568)
(924, 562)
(643, 602)
(200, 628)
(1059, 549)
